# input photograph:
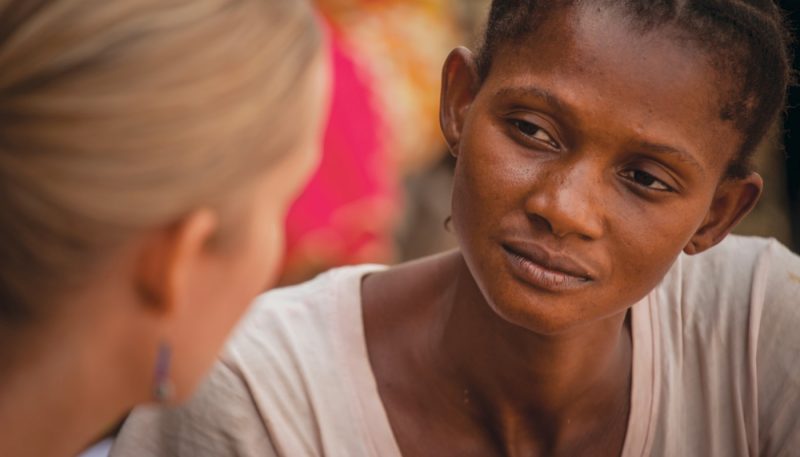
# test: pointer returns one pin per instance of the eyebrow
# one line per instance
(552, 100)
(680, 154)
(536, 92)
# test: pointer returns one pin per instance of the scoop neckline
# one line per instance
(375, 419)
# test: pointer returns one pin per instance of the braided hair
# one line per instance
(746, 39)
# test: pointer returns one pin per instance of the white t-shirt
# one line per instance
(716, 370)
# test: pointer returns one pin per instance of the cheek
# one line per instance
(266, 251)
(220, 301)
(254, 264)
(472, 215)
(487, 185)
(647, 238)
(262, 254)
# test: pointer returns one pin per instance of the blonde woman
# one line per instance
(148, 150)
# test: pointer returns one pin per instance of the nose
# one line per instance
(567, 199)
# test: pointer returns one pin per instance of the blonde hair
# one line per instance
(120, 115)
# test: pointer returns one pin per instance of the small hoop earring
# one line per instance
(162, 386)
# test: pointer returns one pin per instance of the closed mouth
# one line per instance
(554, 267)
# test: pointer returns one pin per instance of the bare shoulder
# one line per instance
(741, 294)
(738, 270)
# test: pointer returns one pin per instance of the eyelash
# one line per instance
(521, 125)
(632, 175)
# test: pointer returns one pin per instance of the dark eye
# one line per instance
(644, 179)
(535, 132)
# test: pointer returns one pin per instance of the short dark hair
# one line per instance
(747, 39)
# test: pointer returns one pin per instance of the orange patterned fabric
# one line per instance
(402, 45)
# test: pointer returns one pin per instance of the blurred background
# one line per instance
(382, 192)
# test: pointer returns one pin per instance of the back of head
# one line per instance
(746, 40)
(116, 116)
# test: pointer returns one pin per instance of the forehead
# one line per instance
(605, 73)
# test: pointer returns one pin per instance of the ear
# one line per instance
(169, 256)
(732, 202)
(460, 84)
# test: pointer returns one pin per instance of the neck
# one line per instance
(561, 381)
(59, 390)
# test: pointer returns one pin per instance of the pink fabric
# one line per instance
(345, 214)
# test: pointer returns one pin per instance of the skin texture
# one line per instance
(568, 154)
(185, 284)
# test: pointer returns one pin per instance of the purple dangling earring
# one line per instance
(162, 386)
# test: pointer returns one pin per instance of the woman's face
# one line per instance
(587, 160)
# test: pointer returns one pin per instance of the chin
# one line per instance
(539, 321)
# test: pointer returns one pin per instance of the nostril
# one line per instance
(543, 225)
(540, 222)
(565, 210)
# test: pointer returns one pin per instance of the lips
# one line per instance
(545, 269)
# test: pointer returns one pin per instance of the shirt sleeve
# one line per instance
(778, 354)
(220, 420)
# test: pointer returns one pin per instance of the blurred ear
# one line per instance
(170, 259)
(460, 84)
(732, 202)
